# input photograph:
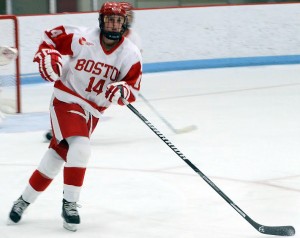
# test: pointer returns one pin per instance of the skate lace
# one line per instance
(71, 208)
(20, 206)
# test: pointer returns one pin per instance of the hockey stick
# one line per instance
(269, 230)
(176, 131)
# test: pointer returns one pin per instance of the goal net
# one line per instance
(9, 65)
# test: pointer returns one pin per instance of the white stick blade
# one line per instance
(186, 129)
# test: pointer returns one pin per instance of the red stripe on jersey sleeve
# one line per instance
(61, 40)
(133, 78)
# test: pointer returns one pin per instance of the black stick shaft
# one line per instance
(270, 230)
(181, 155)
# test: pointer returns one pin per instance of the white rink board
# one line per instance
(189, 33)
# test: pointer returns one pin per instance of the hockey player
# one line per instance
(128, 32)
(101, 62)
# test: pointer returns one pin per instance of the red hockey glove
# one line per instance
(50, 64)
(113, 92)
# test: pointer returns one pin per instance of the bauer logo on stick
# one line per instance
(7, 54)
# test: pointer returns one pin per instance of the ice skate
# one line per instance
(70, 215)
(17, 211)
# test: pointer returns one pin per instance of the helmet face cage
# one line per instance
(109, 9)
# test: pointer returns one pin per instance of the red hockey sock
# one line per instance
(38, 182)
(74, 176)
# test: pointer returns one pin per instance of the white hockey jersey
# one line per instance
(90, 67)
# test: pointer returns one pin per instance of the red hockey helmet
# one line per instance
(107, 9)
(112, 8)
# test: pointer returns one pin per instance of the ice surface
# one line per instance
(247, 142)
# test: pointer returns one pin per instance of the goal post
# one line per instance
(10, 85)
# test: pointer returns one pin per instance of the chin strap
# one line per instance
(112, 35)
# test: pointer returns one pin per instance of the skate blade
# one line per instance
(70, 226)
